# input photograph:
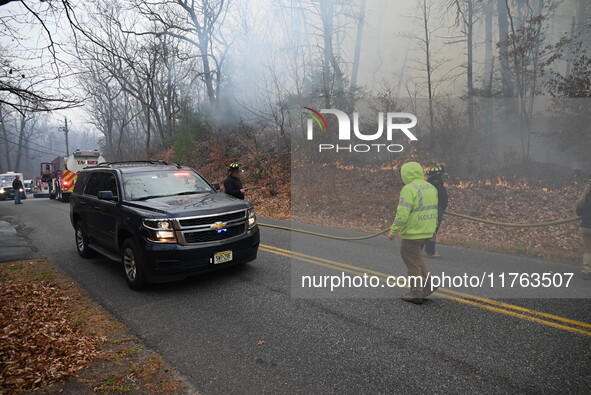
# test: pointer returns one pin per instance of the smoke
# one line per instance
(273, 57)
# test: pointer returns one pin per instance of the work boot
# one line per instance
(413, 297)
(432, 256)
(427, 291)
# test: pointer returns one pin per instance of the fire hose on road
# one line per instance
(486, 221)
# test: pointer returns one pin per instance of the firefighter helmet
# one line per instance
(436, 170)
(234, 168)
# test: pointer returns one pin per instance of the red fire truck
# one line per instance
(65, 172)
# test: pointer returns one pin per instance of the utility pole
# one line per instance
(65, 129)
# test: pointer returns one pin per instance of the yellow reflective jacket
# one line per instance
(416, 214)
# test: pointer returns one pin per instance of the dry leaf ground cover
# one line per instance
(55, 339)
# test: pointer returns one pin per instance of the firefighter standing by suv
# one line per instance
(232, 183)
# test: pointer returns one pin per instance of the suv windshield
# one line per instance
(142, 186)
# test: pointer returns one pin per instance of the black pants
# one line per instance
(430, 244)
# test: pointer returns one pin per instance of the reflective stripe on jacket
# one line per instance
(416, 214)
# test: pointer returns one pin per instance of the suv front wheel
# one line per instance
(132, 265)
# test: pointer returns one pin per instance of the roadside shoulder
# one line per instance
(57, 339)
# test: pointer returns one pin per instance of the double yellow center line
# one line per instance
(483, 303)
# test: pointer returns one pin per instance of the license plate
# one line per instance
(221, 257)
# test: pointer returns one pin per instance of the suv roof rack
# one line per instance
(131, 163)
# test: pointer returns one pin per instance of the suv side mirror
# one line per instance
(106, 195)
(216, 186)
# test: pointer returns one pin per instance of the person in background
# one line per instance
(416, 220)
(435, 177)
(17, 185)
(584, 210)
(232, 184)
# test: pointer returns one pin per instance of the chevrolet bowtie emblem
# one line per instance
(218, 225)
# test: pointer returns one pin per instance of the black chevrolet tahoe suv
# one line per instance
(163, 222)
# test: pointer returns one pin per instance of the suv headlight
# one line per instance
(1, 190)
(160, 230)
(252, 218)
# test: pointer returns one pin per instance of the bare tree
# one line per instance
(331, 68)
(18, 127)
(429, 62)
(24, 87)
(102, 96)
(325, 24)
(466, 18)
(136, 67)
(528, 57)
(198, 23)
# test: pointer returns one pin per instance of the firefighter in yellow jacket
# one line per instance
(415, 222)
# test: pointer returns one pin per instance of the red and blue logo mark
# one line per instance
(316, 116)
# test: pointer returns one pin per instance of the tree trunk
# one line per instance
(148, 127)
(488, 46)
(109, 123)
(358, 40)
(326, 16)
(428, 61)
(569, 58)
(534, 86)
(582, 29)
(207, 73)
(5, 135)
(470, 72)
(506, 80)
(19, 151)
(167, 105)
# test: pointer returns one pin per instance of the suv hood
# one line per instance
(189, 205)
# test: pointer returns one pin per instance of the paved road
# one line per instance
(254, 329)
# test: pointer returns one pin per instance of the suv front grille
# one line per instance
(213, 219)
(213, 235)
